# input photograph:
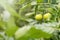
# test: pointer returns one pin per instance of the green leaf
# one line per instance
(21, 1)
(36, 33)
(24, 9)
(22, 31)
(11, 27)
(40, 1)
(9, 9)
(11, 30)
(1, 23)
(32, 32)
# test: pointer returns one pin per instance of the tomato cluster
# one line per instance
(40, 16)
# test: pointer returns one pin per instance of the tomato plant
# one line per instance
(29, 20)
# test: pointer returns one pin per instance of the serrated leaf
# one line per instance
(36, 33)
(31, 33)
(22, 31)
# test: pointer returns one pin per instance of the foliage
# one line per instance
(22, 24)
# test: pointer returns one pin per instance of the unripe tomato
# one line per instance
(38, 17)
(47, 15)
